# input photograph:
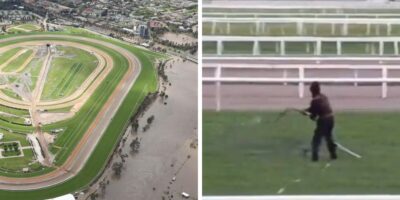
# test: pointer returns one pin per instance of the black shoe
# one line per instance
(334, 157)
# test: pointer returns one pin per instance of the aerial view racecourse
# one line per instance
(301, 97)
(87, 92)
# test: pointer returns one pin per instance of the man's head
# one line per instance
(315, 88)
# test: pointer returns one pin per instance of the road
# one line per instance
(88, 142)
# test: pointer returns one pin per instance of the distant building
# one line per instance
(144, 31)
(153, 24)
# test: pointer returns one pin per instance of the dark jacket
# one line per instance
(320, 107)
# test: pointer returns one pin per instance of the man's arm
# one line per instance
(312, 110)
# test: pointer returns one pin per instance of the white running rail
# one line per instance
(316, 41)
(301, 79)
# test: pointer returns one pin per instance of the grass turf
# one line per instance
(18, 62)
(8, 54)
(68, 72)
(24, 28)
(245, 154)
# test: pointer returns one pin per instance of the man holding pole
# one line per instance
(321, 112)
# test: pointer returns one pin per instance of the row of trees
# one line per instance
(11, 147)
(191, 47)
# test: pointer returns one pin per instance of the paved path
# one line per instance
(88, 142)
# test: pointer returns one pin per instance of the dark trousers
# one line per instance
(323, 130)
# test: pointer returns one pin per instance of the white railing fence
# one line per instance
(301, 79)
(316, 41)
(299, 14)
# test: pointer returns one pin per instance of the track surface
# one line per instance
(85, 147)
(277, 97)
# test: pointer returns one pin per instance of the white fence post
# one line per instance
(283, 50)
(218, 88)
(220, 47)
(384, 82)
(299, 28)
(381, 47)
(318, 48)
(345, 31)
(285, 75)
(213, 27)
(301, 82)
(339, 47)
(228, 28)
(256, 48)
(396, 48)
(355, 77)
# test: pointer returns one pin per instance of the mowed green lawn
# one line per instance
(68, 72)
(18, 62)
(5, 56)
(33, 69)
(31, 27)
(244, 153)
(24, 28)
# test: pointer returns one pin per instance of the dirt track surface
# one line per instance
(246, 96)
(85, 147)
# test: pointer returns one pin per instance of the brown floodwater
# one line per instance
(166, 150)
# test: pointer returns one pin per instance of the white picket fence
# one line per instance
(301, 79)
(317, 41)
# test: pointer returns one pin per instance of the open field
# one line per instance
(78, 125)
(23, 28)
(247, 153)
(8, 54)
(18, 62)
(68, 72)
